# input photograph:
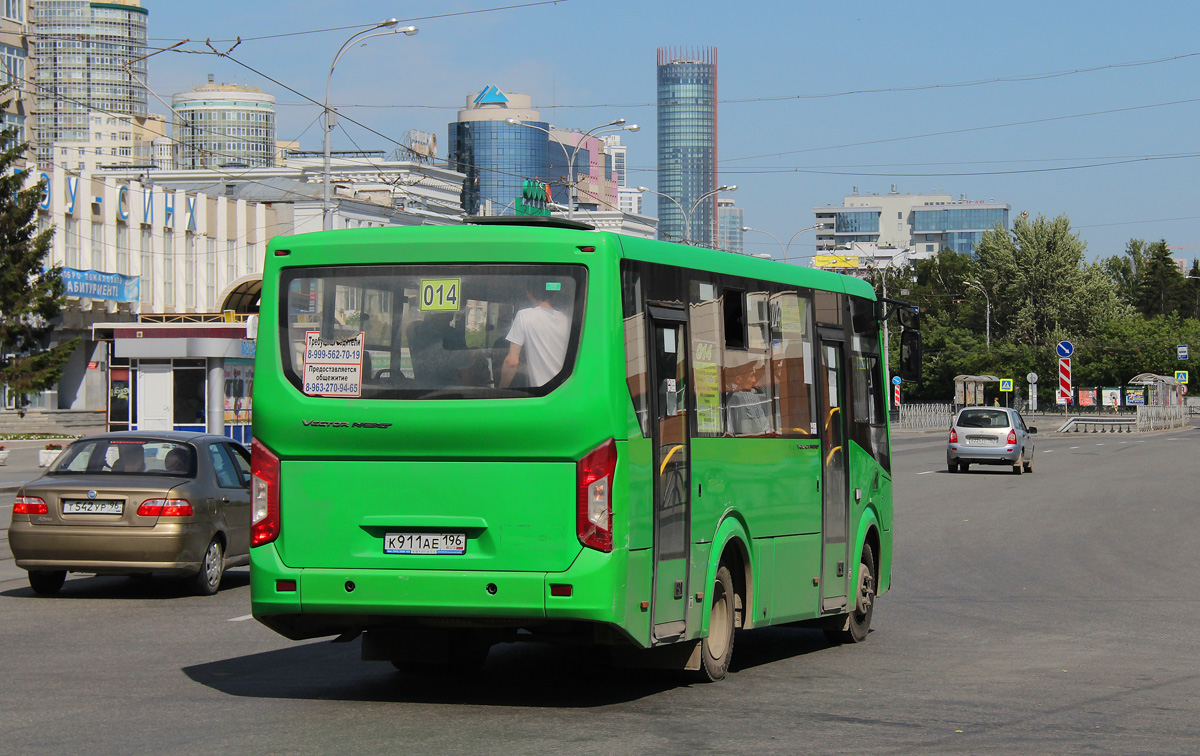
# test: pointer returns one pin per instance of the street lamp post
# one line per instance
(988, 315)
(330, 119)
(619, 125)
(768, 233)
(789, 244)
(687, 214)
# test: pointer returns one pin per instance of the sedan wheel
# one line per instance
(46, 582)
(208, 579)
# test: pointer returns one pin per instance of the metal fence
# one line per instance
(921, 416)
(1151, 418)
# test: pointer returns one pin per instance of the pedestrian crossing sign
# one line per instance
(1181, 376)
(1006, 384)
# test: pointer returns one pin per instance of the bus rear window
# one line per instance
(430, 332)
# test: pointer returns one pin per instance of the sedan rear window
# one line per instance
(983, 418)
(470, 331)
(126, 456)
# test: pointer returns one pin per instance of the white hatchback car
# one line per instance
(990, 436)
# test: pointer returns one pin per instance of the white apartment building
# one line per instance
(112, 141)
(924, 222)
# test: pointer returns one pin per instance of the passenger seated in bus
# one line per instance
(435, 349)
(540, 333)
(747, 410)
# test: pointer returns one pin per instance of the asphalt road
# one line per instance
(1034, 614)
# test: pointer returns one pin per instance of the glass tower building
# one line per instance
(687, 144)
(89, 58)
(496, 156)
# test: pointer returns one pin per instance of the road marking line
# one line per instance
(1099, 444)
(243, 618)
(927, 472)
(1074, 447)
(1047, 451)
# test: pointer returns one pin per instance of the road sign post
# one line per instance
(1064, 380)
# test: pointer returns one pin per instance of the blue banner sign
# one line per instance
(93, 284)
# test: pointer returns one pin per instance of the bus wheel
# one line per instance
(858, 622)
(717, 647)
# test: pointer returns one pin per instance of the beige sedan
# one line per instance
(133, 503)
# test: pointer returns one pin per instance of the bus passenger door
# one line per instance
(835, 501)
(672, 470)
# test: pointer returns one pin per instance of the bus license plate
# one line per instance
(93, 506)
(424, 543)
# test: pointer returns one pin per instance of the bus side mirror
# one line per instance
(910, 318)
(910, 355)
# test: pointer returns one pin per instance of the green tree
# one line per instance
(1192, 290)
(1162, 289)
(1041, 288)
(30, 295)
(1125, 268)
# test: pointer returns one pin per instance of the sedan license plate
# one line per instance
(980, 441)
(424, 543)
(93, 506)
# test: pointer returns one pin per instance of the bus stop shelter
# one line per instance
(1163, 390)
(968, 389)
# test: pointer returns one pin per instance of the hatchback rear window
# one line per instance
(982, 418)
(126, 456)
(430, 331)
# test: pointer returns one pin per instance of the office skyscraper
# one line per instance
(687, 144)
(86, 53)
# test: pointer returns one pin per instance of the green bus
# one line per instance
(526, 429)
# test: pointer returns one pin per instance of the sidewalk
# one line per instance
(22, 467)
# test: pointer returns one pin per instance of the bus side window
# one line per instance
(868, 412)
(704, 324)
(792, 364)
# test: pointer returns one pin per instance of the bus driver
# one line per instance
(543, 332)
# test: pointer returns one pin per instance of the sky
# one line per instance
(1083, 109)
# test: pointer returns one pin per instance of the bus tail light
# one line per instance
(264, 494)
(1012, 436)
(953, 436)
(30, 505)
(593, 513)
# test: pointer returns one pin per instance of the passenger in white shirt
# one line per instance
(542, 333)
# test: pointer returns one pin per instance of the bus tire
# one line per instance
(716, 649)
(858, 622)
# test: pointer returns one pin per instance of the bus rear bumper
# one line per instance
(324, 602)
